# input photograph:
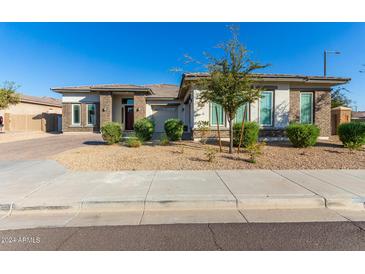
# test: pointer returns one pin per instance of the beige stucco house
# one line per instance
(33, 113)
(285, 98)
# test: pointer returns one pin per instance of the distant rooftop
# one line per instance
(44, 100)
(358, 114)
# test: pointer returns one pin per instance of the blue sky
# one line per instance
(39, 56)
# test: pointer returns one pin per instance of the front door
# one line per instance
(129, 117)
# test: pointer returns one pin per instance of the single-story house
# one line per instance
(33, 113)
(285, 98)
(358, 116)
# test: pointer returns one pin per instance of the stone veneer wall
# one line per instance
(294, 109)
(322, 112)
(105, 107)
(225, 133)
(67, 119)
(139, 107)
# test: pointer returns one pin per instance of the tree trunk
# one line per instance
(242, 128)
(219, 133)
(230, 135)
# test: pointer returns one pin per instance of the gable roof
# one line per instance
(44, 100)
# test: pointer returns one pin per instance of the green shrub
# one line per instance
(174, 129)
(211, 154)
(133, 141)
(352, 135)
(164, 141)
(254, 150)
(111, 132)
(203, 128)
(250, 134)
(302, 135)
(144, 129)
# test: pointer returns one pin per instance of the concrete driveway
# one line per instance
(42, 148)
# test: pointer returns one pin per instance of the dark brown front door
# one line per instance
(129, 117)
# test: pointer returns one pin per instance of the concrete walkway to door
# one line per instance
(43, 193)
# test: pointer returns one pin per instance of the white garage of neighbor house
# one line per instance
(285, 98)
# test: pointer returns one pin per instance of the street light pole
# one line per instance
(325, 60)
(325, 63)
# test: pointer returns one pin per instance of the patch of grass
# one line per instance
(254, 150)
(211, 154)
(133, 142)
(164, 140)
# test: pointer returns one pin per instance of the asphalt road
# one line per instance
(251, 236)
(41, 148)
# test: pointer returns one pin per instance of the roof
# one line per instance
(267, 77)
(153, 90)
(271, 76)
(174, 91)
(164, 90)
(358, 114)
(44, 100)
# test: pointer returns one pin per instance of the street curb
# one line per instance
(345, 204)
(242, 203)
(281, 202)
(190, 205)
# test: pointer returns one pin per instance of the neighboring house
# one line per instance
(285, 98)
(33, 113)
(358, 116)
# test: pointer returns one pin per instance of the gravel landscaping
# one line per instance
(189, 155)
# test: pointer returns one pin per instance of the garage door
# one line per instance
(160, 114)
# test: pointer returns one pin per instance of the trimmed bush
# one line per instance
(352, 134)
(133, 142)
(250, 134)
(144, 129)
(174, 129)
(302, 135)
(111, 133)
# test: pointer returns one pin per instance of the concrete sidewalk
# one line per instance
(45, 190)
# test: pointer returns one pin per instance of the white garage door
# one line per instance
(160, 114)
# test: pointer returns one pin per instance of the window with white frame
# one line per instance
(76, 114)
(306, 107)
(216, 114)
(266, 108)
(91, 114)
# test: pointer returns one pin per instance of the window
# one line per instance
(306, 108)
(127, 101)
(91, 114)
(266, 108)
(240, 113)
(76, 114)
(214, 109)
